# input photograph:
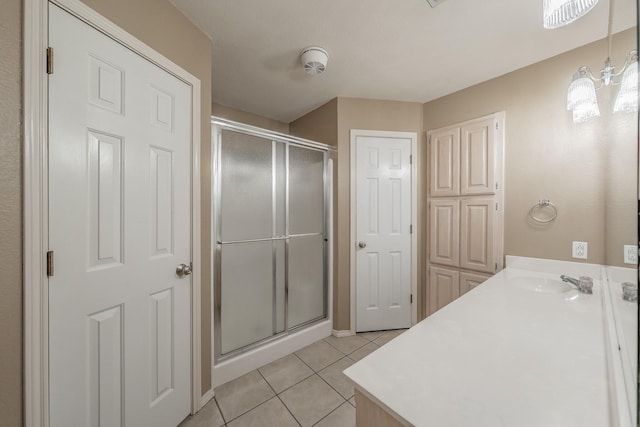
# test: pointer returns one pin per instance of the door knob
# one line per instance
(183, 270)
(362, 245)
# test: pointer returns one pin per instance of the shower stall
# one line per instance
(270, 234)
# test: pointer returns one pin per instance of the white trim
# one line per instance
(206, 398)
(36, 30)
(342, 334)
(413, 136)
(36, 350)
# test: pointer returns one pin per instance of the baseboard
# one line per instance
(206, 398)
(342, 334)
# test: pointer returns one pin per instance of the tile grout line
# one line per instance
(346, 354)
(308, 366)
(292, 385)
(330, 412)
(322, 379)
(278, 396)
(224, 420)
(332, 387)
(254, 407)
(336, 391)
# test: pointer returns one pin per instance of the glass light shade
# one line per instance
(581, 92)
(558, 13)
(627, 99)
(585, 113)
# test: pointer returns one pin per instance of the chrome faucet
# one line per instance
(584, 284)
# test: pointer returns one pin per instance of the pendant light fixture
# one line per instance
(558, 13)
(581, 95)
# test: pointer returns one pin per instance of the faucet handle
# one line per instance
(586, 284)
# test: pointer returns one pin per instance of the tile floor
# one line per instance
(305, 388)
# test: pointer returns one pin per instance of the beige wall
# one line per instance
(621, 178)
(319, 125)
(10, 214)
(547, 156)
(248, 118)
(344, 114)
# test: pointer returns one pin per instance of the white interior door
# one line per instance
(119, 213)
(383, 233)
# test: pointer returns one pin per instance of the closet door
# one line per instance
(444, 162)
(477, 217)
(444, 287)
(469, 281)
(444, 227)
(477, 157)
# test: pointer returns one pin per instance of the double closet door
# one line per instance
(269, 227)
(465, 207)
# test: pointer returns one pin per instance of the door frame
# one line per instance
(413, 137)
(35, 198)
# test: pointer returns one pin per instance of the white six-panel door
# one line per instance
(383, 239)
(119, 212)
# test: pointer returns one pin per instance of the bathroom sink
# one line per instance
(540, 284)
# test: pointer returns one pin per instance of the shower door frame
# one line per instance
(218, 125)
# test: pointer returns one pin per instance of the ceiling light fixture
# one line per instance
(558, 13)
(581, 95)
(314, 60)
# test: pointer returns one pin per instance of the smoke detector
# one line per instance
(314, 59)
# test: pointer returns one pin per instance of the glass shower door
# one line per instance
(251, 229)
(306, 262)
(270, 232)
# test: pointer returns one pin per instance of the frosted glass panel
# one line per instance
(246, 186)
(306, 278)
(306, 190)
(247, 294)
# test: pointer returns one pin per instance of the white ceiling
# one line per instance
(379, 49)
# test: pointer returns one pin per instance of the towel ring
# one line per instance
(543, 203)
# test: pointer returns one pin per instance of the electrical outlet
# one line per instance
(630, 254)
(580, 250)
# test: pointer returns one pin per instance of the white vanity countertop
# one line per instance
(501, 355)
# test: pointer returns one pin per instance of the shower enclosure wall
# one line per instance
(270, 216)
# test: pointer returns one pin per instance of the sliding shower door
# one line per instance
(306, 252)
(269, 226)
